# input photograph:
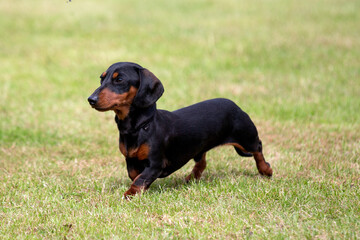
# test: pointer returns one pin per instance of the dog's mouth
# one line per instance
(102, 109)
(111, 108)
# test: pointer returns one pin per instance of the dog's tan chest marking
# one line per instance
(141, 152)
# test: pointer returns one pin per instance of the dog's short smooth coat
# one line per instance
(156, 142)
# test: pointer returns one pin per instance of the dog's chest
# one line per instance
(131, 149)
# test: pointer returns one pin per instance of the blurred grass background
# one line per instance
(293, 66)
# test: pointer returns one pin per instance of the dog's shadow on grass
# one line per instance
(209, 178)
(177, 181)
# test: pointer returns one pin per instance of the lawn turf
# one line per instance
(293, 66)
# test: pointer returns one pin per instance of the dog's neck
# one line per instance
(136, 119)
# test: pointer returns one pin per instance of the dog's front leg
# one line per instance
(143, 181)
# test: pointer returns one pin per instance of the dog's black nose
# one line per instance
(93, 100)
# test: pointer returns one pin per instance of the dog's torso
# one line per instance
(176, 137)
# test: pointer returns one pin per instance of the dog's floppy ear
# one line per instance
(150, 89)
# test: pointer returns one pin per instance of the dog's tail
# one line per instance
(243, 154)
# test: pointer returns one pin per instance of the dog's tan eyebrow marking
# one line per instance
(115, 74)
(103, 74)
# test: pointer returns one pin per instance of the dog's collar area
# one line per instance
(144, 126)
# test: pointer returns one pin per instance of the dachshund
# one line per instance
(157, 142)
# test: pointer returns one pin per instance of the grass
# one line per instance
(293, 66)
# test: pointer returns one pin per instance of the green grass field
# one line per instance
(293, 66)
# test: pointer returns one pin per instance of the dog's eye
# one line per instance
(101, 81)
(118, 79)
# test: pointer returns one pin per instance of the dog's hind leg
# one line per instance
(200, 165)
(255, 150)
(262, 166)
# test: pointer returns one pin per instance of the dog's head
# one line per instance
(123, 85)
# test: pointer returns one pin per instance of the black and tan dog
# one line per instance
(155, 142)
